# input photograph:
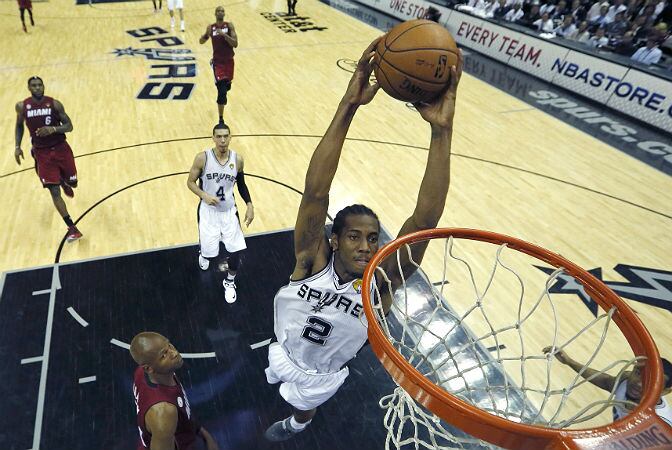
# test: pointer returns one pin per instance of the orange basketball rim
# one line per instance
(641, 429)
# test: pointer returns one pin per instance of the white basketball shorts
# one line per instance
(219, 226)
(302, 389)
(172, 4)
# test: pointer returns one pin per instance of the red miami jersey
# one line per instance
(42, 113)
(222, 52)
(148, 394)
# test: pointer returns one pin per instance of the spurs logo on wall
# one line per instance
(178, 67)
(291, 24)
(645, 285)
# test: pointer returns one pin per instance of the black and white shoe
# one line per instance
(280, 431)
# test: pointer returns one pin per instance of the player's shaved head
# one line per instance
(144, 346)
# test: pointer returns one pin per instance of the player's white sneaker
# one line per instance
(203, 263)
(280, 431)
(229, 291)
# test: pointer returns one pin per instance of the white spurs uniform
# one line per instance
(320, 326)
(220, 222)
(663, 409)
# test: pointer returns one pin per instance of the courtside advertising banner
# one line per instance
(587, 76)
(405, 9)
(629, 91)
(646, 97)
(518, 50)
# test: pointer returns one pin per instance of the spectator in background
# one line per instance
(624, 46)
(544, 25)
(614, 9)
(639, 29)
(528, 19)
(547, 8)
(501, 10)
(566, 28)
(578, 11)
(601, 20)
(492, 8)
(618, 27)
(650, 53)
(514, 14)
(659, 7)
(633, 9)
(581, 35)
(560, 11)
(599, 39)
(594, 10)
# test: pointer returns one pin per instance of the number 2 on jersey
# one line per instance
(317, 331)
(220, 193)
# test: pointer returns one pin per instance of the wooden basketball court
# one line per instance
(515, 169)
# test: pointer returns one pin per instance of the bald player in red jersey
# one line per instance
(224, 40)
(23, 6)
(165, 420)
(55, 165)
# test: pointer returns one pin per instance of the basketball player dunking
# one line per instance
(55, 165)
(217, 170)
(319, 322)
(224, 40)
(164, 417)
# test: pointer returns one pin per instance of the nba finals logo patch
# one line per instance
(231, 166)
(357, 285)
(29, 106)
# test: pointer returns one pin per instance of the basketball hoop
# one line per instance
(430, 399)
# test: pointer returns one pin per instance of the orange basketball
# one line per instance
(412, 61)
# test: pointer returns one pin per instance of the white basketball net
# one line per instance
(445, 346)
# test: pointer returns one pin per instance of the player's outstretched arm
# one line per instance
(18, 133)
(310, 244)
(195, 172)
(205, 36)
(436, 179)
(599, 379)
(161, 421)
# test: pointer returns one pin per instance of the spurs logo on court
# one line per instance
(161, 54)
(291, 24)
(645, 285)
(154, 90)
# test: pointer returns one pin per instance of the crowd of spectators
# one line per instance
(638, 29)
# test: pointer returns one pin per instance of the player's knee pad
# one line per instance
(234, 261)
(223, 86)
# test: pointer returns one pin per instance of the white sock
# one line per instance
(230, 277)
(182, 23)
(298, 426)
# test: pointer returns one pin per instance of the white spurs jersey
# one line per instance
(663, 409)
(319, 322)
(217, 179)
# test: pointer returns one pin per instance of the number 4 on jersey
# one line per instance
(220, 193)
